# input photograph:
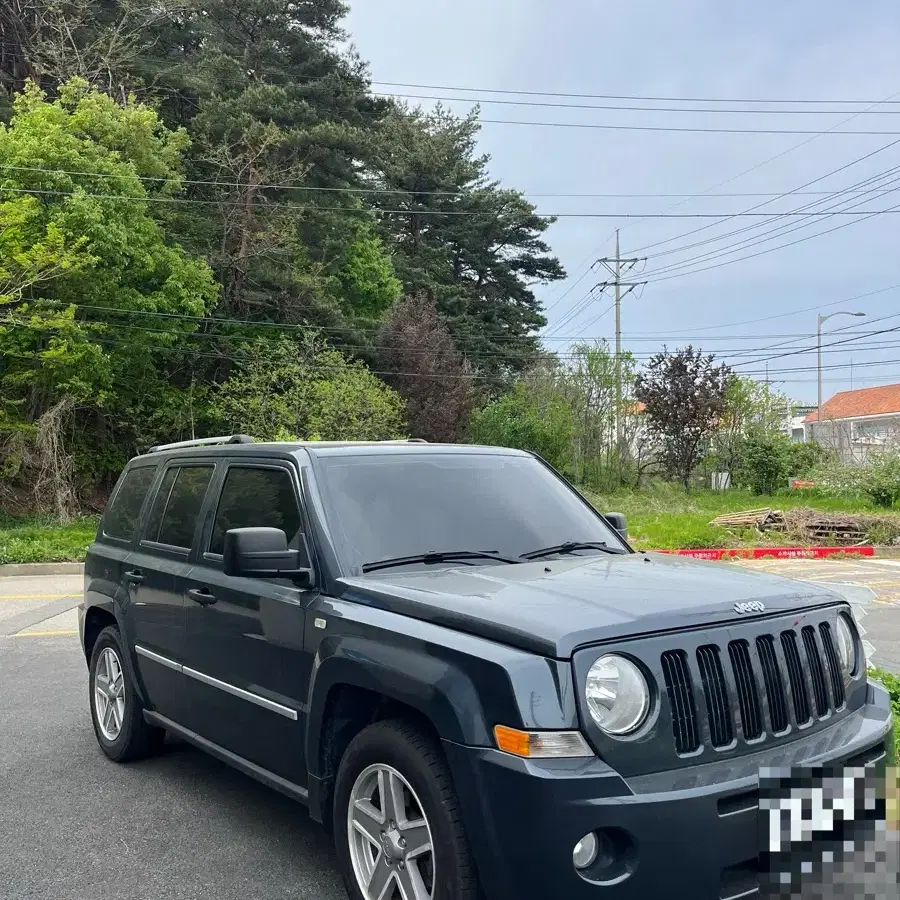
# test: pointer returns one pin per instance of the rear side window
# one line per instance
(253, 498)
(176, 507)
(122, 514)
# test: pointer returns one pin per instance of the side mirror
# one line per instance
(619, 522)
(264, 553)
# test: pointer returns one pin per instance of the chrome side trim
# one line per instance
(264, 702)
(162, 660)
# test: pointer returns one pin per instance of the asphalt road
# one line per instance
(74, 826)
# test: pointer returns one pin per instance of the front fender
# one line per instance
(463, 685)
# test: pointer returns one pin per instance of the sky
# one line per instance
(788, 50)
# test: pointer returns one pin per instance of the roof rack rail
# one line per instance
(416, 441)
(204, 442)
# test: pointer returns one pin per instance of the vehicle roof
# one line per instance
(282, 449)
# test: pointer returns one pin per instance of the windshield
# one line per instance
(398, 505)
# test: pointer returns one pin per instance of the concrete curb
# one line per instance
(59, 568)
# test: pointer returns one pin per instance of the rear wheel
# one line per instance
(397, 824)
(116, 710)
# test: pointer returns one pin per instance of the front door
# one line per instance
(247, 669)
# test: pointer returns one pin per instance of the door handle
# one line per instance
(201, 596)
(136, 576)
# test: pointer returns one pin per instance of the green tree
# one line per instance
(753, 409)
(765, 462)
(457, 236)
(520, 420)
(81, 252)
(290, 389)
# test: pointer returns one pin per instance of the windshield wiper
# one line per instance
(433, 557)
(569, 547)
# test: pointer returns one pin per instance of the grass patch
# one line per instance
(892, 683)
(43, 540)
(666, 517)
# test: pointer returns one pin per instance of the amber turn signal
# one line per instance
(541, 744)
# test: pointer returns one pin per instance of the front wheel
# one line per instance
(397, 824)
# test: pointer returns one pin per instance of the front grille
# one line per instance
(752, 688)
(676, 672)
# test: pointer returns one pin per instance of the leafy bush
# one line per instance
(879, 479)
(805, 457)
(292, 389)
(765, 463)
(519, 420)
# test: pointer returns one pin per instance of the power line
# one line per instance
(758, 206)
(621, 108)
(862, 188)
(778, 231)
(408, 212)
(178, 181)
(794, 312)
(634, 97)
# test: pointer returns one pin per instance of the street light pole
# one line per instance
(820, 320)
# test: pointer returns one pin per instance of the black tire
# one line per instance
(135, 739)
(419, 760)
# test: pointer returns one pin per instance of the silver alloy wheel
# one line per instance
(390, 839)
(109, 694)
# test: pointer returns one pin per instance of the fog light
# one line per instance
(585, 851)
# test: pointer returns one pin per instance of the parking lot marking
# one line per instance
(13, 598)
(43, 633)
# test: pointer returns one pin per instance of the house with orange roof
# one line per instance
(856, 423)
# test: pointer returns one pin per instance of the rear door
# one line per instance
(155, 613)
(246, 665)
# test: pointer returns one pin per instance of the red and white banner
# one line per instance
(773, 552)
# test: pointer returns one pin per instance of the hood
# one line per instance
(552, 607)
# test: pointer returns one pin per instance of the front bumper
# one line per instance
(692, 833)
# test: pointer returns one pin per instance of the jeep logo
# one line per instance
(752, 606)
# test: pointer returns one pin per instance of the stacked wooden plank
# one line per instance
(760, 519)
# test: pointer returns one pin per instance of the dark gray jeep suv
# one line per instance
(465, 672)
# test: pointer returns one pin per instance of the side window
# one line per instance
(154, 520)
(173, 517)
(254, 498)
(122, 514)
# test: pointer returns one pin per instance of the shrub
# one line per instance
(765, 463)
(519, 420)
(879, 479)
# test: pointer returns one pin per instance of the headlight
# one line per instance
(618, 696)
(847, 647)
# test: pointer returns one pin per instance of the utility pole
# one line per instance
(617, 266)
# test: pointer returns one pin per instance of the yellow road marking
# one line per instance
(43, 633)
(13, 598)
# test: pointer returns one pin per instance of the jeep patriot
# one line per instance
(464, 671)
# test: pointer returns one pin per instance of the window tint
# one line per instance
(154, 520)
(385, 506)
(173, 518)
(253, 498)
(122, 515)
